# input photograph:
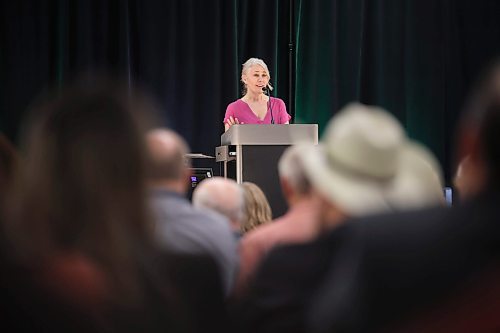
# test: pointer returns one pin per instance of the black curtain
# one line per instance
(187, 53)
(417, 58)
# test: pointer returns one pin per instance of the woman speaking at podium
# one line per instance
(256, 106)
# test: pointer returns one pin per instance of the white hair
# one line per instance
(255, 62)
(291, 168)
(222, 195)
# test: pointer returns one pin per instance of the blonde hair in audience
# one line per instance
(257, 208)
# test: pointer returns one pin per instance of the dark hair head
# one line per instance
(82, 185)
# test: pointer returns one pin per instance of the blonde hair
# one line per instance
(254, 62)
(257, 208)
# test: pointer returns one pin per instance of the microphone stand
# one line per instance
(269, 104)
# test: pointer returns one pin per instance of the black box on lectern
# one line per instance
(251, 153)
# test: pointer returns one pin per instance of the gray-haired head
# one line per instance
(224, 196)
(291, 168)
(254, 62)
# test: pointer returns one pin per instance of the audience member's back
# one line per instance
(178, 225)
(425, 271)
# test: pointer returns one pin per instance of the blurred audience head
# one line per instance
(467, 180)
(257, 208)
(81, 187)
(294, 182)
(168, 166)
(366, 164)
(222, 195)
(479, 142)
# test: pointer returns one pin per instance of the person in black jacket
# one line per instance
(424, 271)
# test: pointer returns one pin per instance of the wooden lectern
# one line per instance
(251, 153)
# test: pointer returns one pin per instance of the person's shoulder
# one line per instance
(286, 255)
(168, 206)
(265, 232)
(235, 104)
(406, 222)
(181, 214)
(277, 100)
(212, 225)
(214, 218)
(291, 265)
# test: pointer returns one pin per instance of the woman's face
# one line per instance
(255, 79)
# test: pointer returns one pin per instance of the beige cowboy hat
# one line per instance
(366, 164)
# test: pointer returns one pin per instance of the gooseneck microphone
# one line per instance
(269, 104)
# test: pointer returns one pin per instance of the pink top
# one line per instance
(241, 110)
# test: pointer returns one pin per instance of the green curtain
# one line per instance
(416, 58)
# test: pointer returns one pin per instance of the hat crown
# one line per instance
(365, 140)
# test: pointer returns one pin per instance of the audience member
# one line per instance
(79, 238)
(299, 224)
(224, 196)
(257, 208)
(364, 165)
(179, 226)
(428, 271)
(469, 178)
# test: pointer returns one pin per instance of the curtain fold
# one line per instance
(416, 58)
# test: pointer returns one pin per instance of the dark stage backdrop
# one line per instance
(417, 58)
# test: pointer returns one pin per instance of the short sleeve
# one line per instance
(283, 115)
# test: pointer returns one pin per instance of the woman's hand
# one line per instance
(230, 122)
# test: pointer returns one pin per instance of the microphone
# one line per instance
(266, 91)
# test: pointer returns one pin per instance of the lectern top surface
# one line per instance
(270, 134)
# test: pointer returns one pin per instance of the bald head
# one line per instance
(222, 195)
(167, 162)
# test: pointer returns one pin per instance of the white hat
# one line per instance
(366, 164)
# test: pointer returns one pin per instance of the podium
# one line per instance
(250, 153)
